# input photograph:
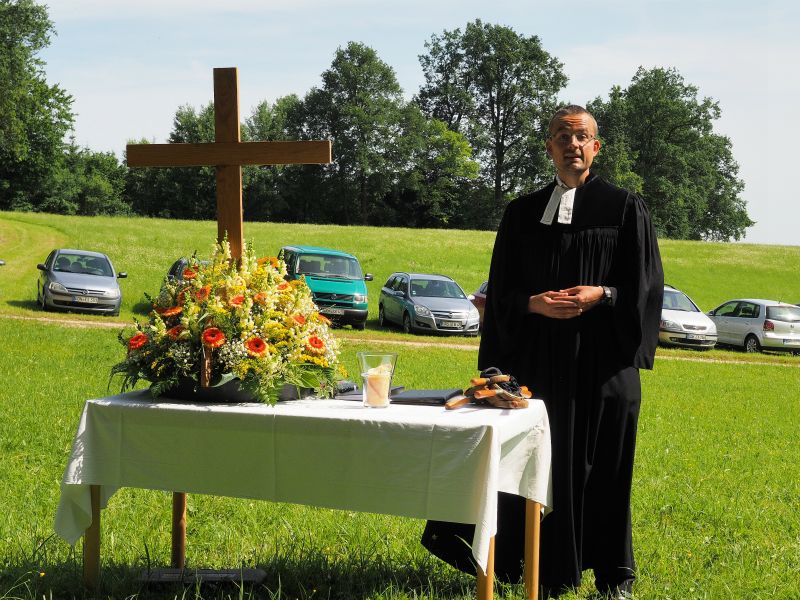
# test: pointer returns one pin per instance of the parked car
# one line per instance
(79, 280)
(427, 303)
(757, 324)
(335, 279)
(179, 266)
(478, 299)
(683, 323)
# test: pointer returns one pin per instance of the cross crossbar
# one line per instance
(229, 153)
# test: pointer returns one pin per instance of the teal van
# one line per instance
(335, 279)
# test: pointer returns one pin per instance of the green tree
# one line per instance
(359, 106)
(88, 183)
(499, 89)
(179, 192)
(659, 140)
(266, 197)
(431, 189)
(34, 116)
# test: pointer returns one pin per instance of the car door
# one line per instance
(399, 291)
(725, 320)
(387, 297)
(748, 321)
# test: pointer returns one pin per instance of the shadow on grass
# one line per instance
(313, 578)
(26, 304)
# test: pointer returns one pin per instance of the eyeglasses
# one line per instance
(565, 139)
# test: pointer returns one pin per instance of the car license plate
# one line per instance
(332, 311)
(85, 299)
(451, 324)
(695, 336)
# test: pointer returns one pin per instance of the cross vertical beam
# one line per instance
(230, 214)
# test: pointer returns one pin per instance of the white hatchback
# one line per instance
(683, 323)
(757, 324)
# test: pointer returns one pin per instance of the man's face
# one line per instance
(572, 143)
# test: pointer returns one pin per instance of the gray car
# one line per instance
(425, 303)
(756, 324)
(79, 280)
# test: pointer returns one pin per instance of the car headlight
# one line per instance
(422, 311)
(56, 287)
(474, 314)
(113, 294)
(670, 325)
(359, 298)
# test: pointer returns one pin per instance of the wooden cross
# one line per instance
(228, 153)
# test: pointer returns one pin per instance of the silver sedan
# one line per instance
(79, 280)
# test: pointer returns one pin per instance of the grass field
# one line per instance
(717, 480)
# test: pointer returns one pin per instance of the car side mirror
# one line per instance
(41, 267)
(2, 262)
(368, 277)
(711, 313)
(400, 293)
(471, 297)
(122, 275)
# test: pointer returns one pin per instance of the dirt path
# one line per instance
(66, 322)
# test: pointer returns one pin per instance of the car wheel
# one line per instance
(751, 344)
(381, 316)
(407, 327)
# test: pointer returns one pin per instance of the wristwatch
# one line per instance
(607, 297)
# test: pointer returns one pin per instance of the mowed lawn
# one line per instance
(716, 497)
(715, 504)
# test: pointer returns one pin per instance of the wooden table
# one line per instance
(339, 450)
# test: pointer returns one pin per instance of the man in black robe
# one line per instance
(573, 310)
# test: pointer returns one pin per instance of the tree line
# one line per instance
(452, 156)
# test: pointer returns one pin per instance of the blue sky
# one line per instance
(129, 65)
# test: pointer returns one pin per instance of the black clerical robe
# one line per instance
(586, 370)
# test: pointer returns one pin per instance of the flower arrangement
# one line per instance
(234, 321)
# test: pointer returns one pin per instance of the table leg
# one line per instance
(486, 580)
(91, 543)
(533, 516)
(178, 530)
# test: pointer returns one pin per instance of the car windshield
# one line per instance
(674, 300)
(83, 264)
(790, 314)
(436, 288)
(323, 265)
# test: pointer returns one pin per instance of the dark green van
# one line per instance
(335, 279)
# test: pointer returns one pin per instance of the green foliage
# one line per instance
(35, 115)
(659, 140)
(499, 89)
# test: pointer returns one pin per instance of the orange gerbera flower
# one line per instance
(255, 346)
(260, 298)
(213, 337)
(322, 319)
(315, 345)
(181, 298)
(175, 332)
(189, 273)
(203, 293)
(137, 341)
(283, 285)
(236, 300)
(170, 312)
(299, 319)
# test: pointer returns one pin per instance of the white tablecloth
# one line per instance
(414, 461)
